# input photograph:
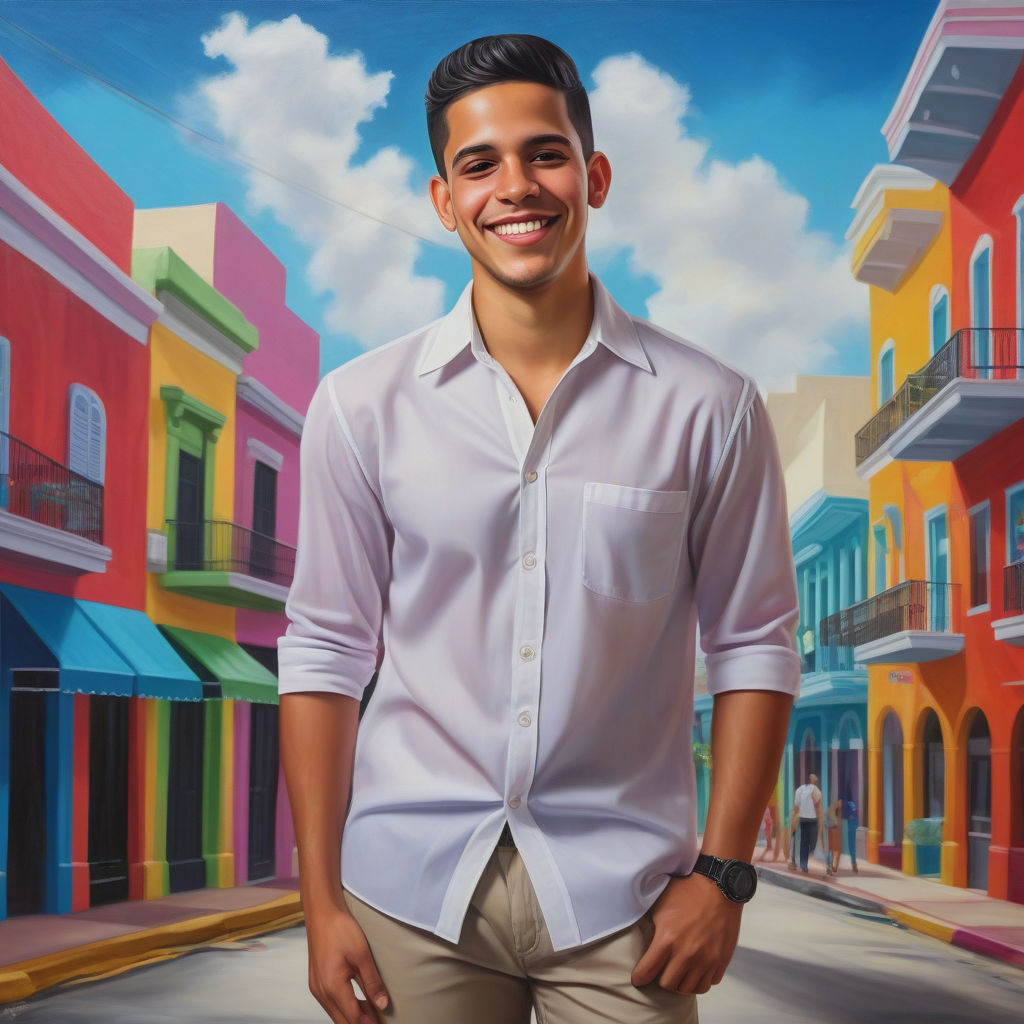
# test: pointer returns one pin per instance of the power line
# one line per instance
(233, 154)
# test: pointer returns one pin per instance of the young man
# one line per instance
(526, 508)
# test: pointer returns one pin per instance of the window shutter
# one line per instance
(5, 385)
(86, 434)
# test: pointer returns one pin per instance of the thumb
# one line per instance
(370, 981)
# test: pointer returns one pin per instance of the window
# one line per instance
(979, 519)
(87, 433)
(881, 581)
(1015, 524)
(5, 418)
(939, 320)
(1018, 213)
(264, 520)
(981, 308)
(886, 372)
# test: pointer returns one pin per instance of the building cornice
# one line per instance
(31, 228)
(260, 397)
(869, 201)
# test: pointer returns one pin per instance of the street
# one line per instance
(799, 960)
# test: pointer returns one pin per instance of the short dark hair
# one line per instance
(492, 60)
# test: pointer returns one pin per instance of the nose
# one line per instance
(515, 182)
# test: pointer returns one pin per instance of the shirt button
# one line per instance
(529, 560)
(525, 720)
(527, 653)
(531, 476)
(514, 802)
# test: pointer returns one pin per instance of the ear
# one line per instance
(441, 197)
(599, 179)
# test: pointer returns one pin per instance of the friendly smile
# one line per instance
(521, 227)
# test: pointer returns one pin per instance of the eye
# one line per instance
(476, 167)
(549, 156)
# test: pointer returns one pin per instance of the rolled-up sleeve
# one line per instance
(740, 549)
(342, 564)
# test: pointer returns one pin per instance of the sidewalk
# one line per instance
(964, 917)
(40, 951)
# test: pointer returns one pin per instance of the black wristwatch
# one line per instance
(736, 878)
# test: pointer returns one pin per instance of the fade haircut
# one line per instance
(493, 60)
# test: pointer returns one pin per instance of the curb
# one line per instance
(113, 955)
(922, 923)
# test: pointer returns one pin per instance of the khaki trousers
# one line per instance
(503, 965)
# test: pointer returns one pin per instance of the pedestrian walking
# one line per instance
(852, 823)
(834, 830)
(807, 806)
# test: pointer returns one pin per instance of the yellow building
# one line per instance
(908, 633)
(185, 798)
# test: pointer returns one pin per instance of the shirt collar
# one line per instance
(613, 327)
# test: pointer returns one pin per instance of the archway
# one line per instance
(979, 801)
(933, 774)
(892, 791)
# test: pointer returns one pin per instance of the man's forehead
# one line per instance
(491, 114)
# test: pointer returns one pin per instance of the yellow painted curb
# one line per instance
(110, 956)
(921, 923)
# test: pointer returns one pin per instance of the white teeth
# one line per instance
(519, 228)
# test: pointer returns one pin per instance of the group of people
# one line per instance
(809, 821)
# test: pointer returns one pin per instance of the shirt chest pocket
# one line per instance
(632, 540)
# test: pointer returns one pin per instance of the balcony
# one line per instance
(913, 622)
(971, 388)
(228, 564)
(48, 513)
(1011, 629)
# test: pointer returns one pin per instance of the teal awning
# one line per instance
(240, 675)
(88, 664)
(159, 672)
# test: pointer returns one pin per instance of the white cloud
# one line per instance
(293, 109)
(737, 269)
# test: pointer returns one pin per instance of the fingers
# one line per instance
(650, 965)
(369, 980)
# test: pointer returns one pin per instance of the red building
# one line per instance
(75, 646)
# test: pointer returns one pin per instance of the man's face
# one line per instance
(518, 186)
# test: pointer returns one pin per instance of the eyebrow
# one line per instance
(487, 147)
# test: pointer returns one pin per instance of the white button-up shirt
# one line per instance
(534, 590)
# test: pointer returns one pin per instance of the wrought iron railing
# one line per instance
(36, 487)
(218, 546)
(974, 352)
(1013, 587)
(912, 605)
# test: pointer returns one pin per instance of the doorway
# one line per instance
(188, 552)
(187, 870)
(108, 799)
(979, 801)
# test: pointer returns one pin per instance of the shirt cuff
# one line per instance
(754, 668)
(305, 667)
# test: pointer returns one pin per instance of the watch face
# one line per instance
(739, 880)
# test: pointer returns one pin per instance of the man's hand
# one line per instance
(339, 952)
(695, 934)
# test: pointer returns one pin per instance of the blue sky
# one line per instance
(738, 133)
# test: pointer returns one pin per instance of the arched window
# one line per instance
(87, 433)
(981, 309)
(892, 780)
(938, 320)
(886, 372)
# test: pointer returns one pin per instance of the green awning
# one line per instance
(88, 664)
(240, 675)
(159, 671)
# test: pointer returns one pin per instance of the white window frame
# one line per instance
(95, 458)
(888, 346)
(938, 293)
(1011, 527)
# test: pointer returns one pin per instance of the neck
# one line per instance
(540, 329)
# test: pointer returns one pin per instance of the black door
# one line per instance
(108, 799)
(189, 533)
(26, 821)
(264, 520)
(185, 796)
(262, 789)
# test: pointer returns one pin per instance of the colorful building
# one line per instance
(76, 651)
(938, 238)
(828, 530)
(272, 386)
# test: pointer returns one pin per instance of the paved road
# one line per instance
(800, 961)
